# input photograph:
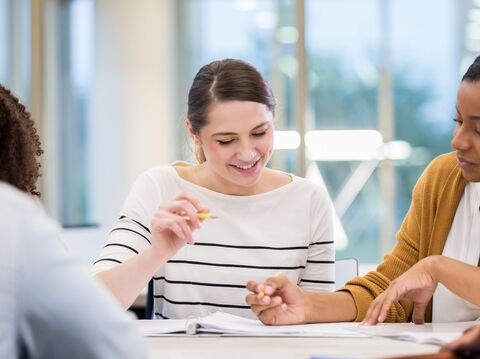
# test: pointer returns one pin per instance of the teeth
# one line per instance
(246, 167)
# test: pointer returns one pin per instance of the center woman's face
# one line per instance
(237, 143)
(466, 136)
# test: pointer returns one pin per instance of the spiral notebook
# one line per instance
(228, 324)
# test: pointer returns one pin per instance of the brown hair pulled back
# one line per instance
(225, 80)
(19, 144)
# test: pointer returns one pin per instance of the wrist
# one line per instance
(433, 265)
(323, 307)
(310, 308)
(154, 257)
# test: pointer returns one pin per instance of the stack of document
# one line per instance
(228, 324)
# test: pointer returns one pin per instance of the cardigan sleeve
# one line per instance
(403, 256)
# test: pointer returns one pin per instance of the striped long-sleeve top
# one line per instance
(288, 230)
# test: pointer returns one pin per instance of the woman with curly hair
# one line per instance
(19, 144)
(30, 240)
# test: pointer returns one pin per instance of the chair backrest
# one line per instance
(149, 305)
(345, 269)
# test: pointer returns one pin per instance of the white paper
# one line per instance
(228, 323)
(431, 333)
(223, 323)
(156, 327)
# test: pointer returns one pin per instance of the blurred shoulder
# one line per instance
(12, 199)
(22, 217)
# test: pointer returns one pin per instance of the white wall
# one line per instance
(133, 104)
(132, 110)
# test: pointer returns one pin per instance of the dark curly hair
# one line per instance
(19, 144)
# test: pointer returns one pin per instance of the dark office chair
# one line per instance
(149, 306)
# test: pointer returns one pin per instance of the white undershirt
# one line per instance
(463, 243)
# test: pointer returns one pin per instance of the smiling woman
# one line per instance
(267, 220)
(238, 141)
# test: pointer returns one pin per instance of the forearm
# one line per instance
(460, 278)
(128, 279)
(329, 307)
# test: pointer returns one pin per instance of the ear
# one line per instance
(192, 133)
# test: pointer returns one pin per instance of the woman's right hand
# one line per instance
(173, 223)
(281, 302)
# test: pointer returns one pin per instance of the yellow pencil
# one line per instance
(200, 215)
(262, 293)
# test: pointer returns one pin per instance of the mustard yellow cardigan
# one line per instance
(423, 233)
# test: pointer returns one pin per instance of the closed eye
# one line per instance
(259, 134)
(224, 142)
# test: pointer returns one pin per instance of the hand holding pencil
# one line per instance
(277, 301)
(261, 294)
(174, 222)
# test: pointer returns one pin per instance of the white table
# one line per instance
(213, 347)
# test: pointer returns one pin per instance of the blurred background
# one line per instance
(365, 88)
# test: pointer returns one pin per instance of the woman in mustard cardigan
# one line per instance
(438, 242)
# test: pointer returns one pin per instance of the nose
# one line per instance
(247, 153)
(460, 140)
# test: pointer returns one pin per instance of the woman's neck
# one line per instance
(202, 176)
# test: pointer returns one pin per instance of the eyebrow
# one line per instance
(470, 117)
(233, 133)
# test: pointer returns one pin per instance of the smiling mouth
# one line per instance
(246, 167)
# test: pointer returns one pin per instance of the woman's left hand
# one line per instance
(417, 284)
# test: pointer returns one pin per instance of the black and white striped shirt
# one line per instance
(288, 230)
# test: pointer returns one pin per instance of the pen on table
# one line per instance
(262, 293)
(201, 215)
